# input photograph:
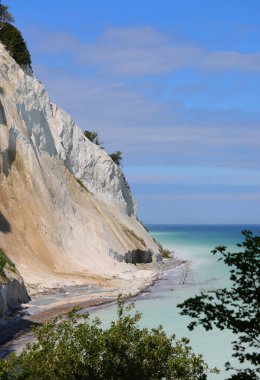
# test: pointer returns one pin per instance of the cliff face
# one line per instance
(64, 204)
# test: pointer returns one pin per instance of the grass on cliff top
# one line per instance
(5, 263)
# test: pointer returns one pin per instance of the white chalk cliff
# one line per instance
(12, 292)
(66, 213)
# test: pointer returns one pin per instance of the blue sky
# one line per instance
(173, 84)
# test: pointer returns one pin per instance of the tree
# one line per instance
(235, 308)
(5, 16)
(12, 39)
(93, 137)
(116, 157)
(76, 348)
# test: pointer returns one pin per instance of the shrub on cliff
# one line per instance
(12, 39)
(93, 137)
(165, 253)
(5, 263)
(76, 348)
(116, 157)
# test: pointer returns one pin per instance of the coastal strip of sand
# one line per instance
(15, 332)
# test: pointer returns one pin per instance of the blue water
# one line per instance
(158, 306)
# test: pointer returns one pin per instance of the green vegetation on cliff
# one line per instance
(116, 157)
(5, 263)
(166, 253)
(12, 39)
(132, 235)
(94, 137)
(5, 15)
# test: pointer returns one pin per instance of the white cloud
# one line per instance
(230, 60)
(148, 130)
(142, 36)
(140, 60)
(136, 116)
(141, 51)
(199, 176)
(203, 196)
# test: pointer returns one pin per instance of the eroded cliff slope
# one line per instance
(66, 213)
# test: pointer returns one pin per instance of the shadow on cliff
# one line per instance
(2, 111)
(5, 226)
(9, 154)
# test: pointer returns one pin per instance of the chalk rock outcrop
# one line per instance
(64, 204)
(12, 292)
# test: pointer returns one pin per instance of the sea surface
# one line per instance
(205, 272)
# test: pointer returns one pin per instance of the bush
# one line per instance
(12, 39)
(93, 137)
(76, 348)
(116, 157)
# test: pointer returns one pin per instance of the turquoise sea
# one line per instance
(158, 305)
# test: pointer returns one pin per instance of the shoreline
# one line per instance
(20, 325)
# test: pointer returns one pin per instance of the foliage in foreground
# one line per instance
(77, 348)
(236, 308)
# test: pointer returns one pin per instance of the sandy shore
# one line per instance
(46, 306)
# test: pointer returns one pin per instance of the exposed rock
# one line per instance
(12, 292)
(64, 203)
(89, 162)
